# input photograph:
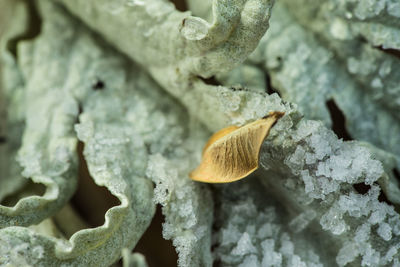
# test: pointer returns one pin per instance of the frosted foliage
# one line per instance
(244, 246)
(250, 261)
(326, 167)
(17, 254)
(185, 205)
(347, 254)
(270, 257)
(300, 222)
(385, 231)
(333, 221)
(120, 140)
(152, 28)
(144, 115)
(341, 68)
(253, 235)
(323, 162)
(246, 76)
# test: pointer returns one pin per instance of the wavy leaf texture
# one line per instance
(129, 81)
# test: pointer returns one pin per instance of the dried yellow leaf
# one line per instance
(233, 152)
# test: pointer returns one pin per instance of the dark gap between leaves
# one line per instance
(152, 243)
(382, 198)
(3, 139)
(396, 174)
(339, 127)
(29, 189)
(217, 263)
(209, 81)
(338, 121)
(80, 110)
(362, 188)
(35, 25)
(180, 5)
(269, 89)
(91, 201)
(390, 51)
(393, 52)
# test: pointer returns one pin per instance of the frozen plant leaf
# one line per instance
(233, 152)
(147, 30)
(131, 130)
(11, 93)
(152, 34)
(73, 60)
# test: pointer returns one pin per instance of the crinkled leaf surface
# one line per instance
(119, 138)
(12, 114)
(309, 63)
(304, 207)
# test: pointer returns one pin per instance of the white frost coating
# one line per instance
(107, 144)
(312, 79)
(340, 29)
(12, 92)
(178, 40)
(347, 254)
(270, 257)
(307, 199)
(300, 222)
(244, 246)
(393, 8)
(186, 205)
(385, 231)
(327, 166)
(333, 221)
(368, 9)
(250, 261)
(18, 254)
(252, 234)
